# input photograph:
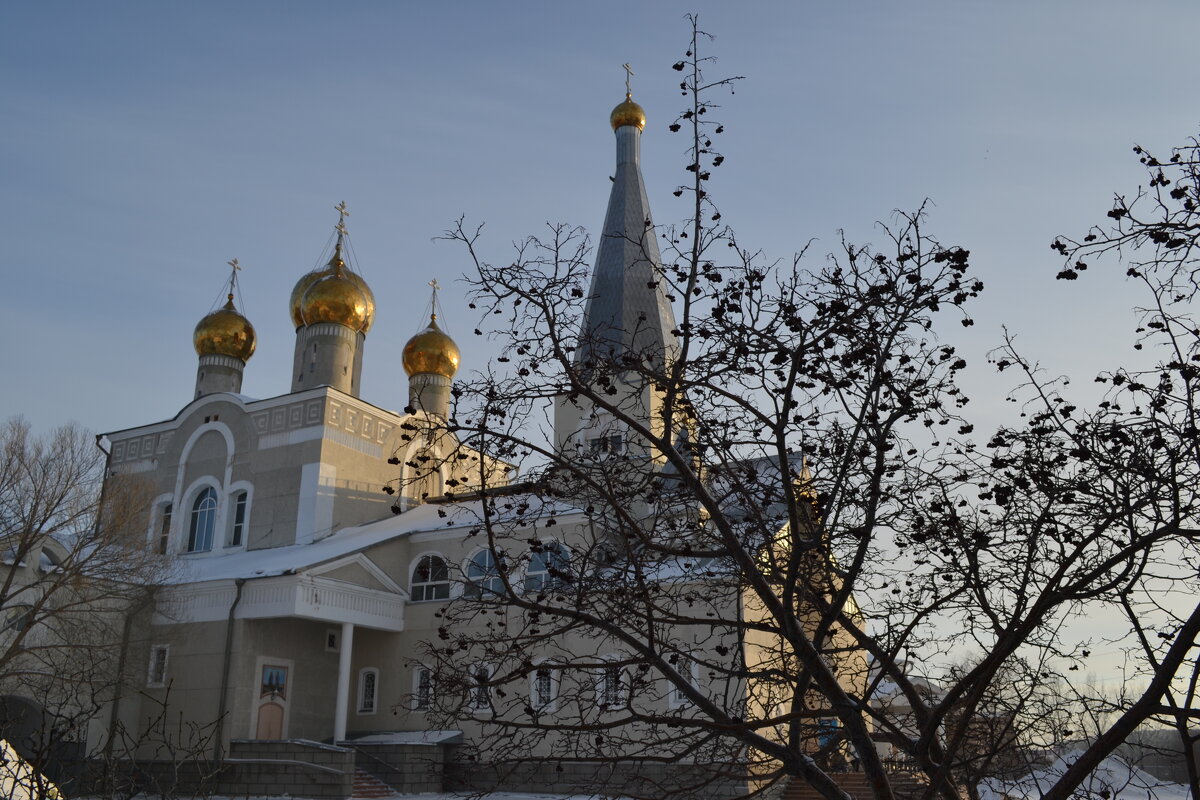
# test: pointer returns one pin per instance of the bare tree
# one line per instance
(769, 520)
(72, 572)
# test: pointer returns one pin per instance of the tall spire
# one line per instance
(627, 310)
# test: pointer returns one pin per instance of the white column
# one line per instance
(345, 648)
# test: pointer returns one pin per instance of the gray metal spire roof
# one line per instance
(627, 309)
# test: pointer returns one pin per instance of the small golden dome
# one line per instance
(431, 351)
(225, 332)
(628, 113)
(334, 294)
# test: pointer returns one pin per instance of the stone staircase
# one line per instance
(367, 785)
(905, 785)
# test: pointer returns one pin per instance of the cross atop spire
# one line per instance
(628, 74)
(234, 269)
(433, 300)
(343, 212)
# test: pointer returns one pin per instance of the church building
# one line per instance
(298, 592)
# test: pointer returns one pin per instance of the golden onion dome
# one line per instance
(431, 351)
(225, 332)
(628, 113)
(333, 294)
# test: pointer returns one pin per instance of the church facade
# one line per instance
(299, 597)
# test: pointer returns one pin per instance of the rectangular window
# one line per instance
(239, 520)
(610, 444)
(156, 676)
(164, 530)
(423, 690)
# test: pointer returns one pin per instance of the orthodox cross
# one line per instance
(433, 303)
(628, 74)
(235, 268)
(343, 212)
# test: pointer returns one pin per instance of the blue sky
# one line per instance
(147, 143)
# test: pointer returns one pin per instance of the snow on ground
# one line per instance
(1112, 780)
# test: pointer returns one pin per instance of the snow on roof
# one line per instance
(410, 737)
(285, 560)
(1113, 779)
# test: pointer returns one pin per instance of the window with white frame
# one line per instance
(608, 444)
(164, 528)
(483, 576)
(156, 675)
(368, 690)
(431, 579)
(611, 687)
(203, 521)
(690, 671)
(543, 688)
(548, 567)
(237, 531)
(422, 689)
(479, 690)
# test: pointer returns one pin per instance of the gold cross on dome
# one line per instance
(343, 212)
(628, 74)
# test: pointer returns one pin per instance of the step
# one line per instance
(367, 785)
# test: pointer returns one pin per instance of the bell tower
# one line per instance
(333, 309)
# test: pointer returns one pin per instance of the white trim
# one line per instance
(303, 596)
(369, 566)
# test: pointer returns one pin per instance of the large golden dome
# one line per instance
(431, 351)
(334, 294)
(628, 113)
(225, 332)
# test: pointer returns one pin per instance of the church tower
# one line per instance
(333, 309)
(628, 324)
(430, 359)
(224, 339)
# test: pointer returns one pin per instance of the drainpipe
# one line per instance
(224, 699)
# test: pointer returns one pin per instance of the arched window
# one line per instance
(612, 686)
(543, 689)
(204, 521)
(548, 567)
(237, 533)
(483, 576)
(431, 579)
(368, 690)
(164, 529)
(422, 689)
